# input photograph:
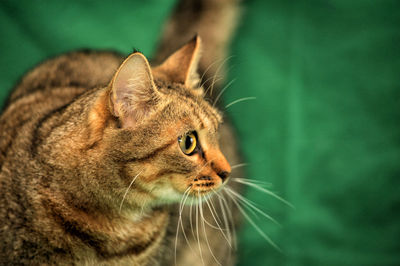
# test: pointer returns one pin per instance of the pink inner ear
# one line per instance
(133, 90)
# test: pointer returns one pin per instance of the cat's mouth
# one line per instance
(196, 195)
(204, 185)
(204, 181)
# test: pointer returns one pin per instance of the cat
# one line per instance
(97, 150)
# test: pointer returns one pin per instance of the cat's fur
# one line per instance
(75, 134)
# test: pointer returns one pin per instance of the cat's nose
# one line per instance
(219, 163)
(221, 168)
(224, 175)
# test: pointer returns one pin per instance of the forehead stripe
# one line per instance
(149, 155)
(196, 114)
(204, 110)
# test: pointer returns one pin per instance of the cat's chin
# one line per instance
(171, 196)
(167, 196)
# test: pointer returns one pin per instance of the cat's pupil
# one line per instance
(188, 142)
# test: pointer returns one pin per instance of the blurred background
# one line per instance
(324, 128)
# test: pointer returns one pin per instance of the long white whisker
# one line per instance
(253, 223)
(219, 227)
(126, 192)
(239, 100)
(228, 209)
(222, 91)
(209, 87)
(226, 223)
(208, 68)
(227, 190)
(238, 165)
(250, 204)
(217, 72)
(197, 229)
(266, 191)
(180, 220)
(210, 224)
(205, 233)
(205, 72)
(210, 78)
(213, 207)
(254, 181)
(180, 217)
(242, 198)
(190, 218)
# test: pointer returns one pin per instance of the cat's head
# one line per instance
(167, 136)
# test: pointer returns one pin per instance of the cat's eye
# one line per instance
(188, 143)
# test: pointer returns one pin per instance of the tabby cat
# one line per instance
(95, 152)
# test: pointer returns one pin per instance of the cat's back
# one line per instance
(85, 68)
(39, 96)
(50, 86)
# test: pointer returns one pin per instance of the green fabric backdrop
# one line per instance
(324, 129)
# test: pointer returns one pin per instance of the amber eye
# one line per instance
(188, 143)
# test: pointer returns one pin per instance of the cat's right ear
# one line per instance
(181, 67)
(133, 94)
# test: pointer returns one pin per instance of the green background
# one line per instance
(324, 129)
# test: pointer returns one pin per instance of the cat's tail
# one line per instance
(214, 21)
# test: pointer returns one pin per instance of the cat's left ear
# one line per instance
(133, 92)
(131, 96)
(181, 66)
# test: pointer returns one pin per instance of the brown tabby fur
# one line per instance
(69, 150)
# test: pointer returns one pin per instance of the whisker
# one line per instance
(210, 78)
(239, 100)
(222, 91)
(254, 181)
(126, 192)
(205, 233)
(184, 201)
(197, 228)
(266, 191)
(253, 223)
(213, 207)
(180, 220)
(209, 87)
(227, 190)
(250, 204)
(201, 84)
(217, 72)
(229, 211)
(219, 227)
(238, 165)
(226, 223)
(208, 68)
(241, 197)
(190, 218)
(211, 225)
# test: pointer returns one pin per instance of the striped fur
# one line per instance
(67, 160)
(67, 164)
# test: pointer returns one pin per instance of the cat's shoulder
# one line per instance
(82, 68)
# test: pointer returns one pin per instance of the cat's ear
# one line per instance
(181, 66)
(133, 93)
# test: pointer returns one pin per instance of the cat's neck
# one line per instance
(106, 235)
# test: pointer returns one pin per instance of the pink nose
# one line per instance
(220, 165)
